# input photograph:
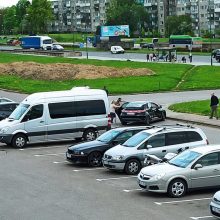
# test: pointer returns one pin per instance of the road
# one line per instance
(38, 183)
(197, 60)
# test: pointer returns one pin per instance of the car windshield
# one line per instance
(19, 111)
(136, 139)
(135, 105)
(108, 136)
(184, 159)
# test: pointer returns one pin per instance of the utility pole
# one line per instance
(210, 29)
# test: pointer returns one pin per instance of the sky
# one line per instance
(6, 3)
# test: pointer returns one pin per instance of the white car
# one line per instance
(117, 49)
(57, 47)
(215, 205)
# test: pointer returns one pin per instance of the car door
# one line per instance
(209, 174)
(155, 145)
(35, 123)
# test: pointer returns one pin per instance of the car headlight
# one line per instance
(81, 153)
(118, 157)
(4, 130)
(158, 176)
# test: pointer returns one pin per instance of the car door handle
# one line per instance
(186, 148)
(41, 121)
(164, 151)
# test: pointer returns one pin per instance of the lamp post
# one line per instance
(210, 30)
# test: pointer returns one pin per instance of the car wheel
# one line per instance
(89, 135)
(147, 120)
(19, 141)
(132, 167)
(177, 188)
(95, 159)
(162, 116)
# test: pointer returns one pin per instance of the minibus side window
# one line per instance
(34, 113)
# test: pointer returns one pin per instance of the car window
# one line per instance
(173, 138)
(157, 140)
(193, 136)
(35, 112)
(124, 136)
(153, 105)
(209, 159)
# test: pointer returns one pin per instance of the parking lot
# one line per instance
(38, 183)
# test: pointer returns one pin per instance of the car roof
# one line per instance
(130, 128)
(207, 149)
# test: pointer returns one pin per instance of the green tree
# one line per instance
(21, 13)
(122, 12)
(9, 20)
(178, 25)
(39, 15)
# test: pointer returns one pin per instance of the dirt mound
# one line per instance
(65, 71)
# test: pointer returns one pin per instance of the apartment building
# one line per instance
(77, 15)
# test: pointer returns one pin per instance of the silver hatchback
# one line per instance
(191, 169)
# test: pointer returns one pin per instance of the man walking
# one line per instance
(214, 106)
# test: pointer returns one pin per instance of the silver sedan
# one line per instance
(191, 169)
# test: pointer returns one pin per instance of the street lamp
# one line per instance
(210, 30)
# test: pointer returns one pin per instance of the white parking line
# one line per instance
(179, 201)
(195, 218)
(58, 162)
(45, 155)
(91, 169)
(131, 190)
(116, 178)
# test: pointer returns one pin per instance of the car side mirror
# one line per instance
(198, 166)
(149, 146)
(115, 142)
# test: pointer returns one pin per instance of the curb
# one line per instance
(194, 122)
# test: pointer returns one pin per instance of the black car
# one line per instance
(92, 152)
(6, 108)
(147, 45)
(142, 111)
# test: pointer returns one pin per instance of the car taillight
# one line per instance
(109, 122)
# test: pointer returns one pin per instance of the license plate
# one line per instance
(130, 113)
(68, 155)
(214, 209)
(142, 183)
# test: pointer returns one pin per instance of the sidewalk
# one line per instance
(193, 119)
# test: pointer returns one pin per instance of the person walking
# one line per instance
(214, 106)
(190, 57)
(147, 56)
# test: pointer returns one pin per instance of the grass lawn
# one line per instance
(195, 107)
(166, 78)
(202, 77)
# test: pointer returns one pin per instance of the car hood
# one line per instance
(7, 123)
(87, 145)
(120, 150)
(159, 168)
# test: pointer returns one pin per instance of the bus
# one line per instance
(185, 41)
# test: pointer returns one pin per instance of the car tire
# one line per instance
(19, 141)
(132, 167)
(147, 120)
(162, 116)
(95, 159)
(177, 188)
(89, 135)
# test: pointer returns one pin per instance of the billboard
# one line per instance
(113, 31)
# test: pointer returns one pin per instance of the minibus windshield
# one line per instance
(19, 111)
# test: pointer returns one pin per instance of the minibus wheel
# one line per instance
(19, 141)
(89, 135)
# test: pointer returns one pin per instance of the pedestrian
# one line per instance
(147, 56)
(118, 109)
(214, 106)
(113, 107)
(151, 57)
(184, 59)
(190, 57)
(106, 90)
(167, 56)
